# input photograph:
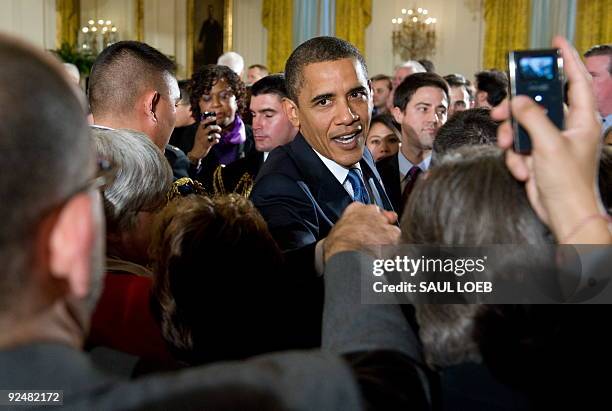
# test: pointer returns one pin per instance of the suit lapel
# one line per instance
(329, 193)
(389, 172)
(373, 179)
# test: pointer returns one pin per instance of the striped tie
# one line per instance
(359, 190)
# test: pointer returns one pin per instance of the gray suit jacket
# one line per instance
(376, 339)
(292, 380)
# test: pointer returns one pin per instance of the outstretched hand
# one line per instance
(561, 172)
(359, 228)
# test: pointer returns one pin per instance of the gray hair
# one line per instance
(414, 65)
(143, 176)
(232, 60)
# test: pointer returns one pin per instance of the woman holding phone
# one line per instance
(218, 96)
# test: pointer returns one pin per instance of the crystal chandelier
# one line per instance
(414, 34)
(97, 35)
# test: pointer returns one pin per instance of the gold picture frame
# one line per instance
(195, 21)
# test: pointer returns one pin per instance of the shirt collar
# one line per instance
(340, 172)
(405, 165)
(101, 127)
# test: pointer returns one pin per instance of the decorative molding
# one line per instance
(228, 21)
(190, 30)
(139, 4)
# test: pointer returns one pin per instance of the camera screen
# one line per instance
(537, 68)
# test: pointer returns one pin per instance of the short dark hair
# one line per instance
(459, 80)
(407, 88)
(272, 84)
(601, 50)
(494, 83)
(388, 121)
(456, 80)
(46, 152)
(317, 50)
(184, 87)
(203, 80)
(383, 77)
(428, 65)
(470, 127)
(122, 72)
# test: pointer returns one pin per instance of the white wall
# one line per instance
(460, 28)
(31, 20)
(460, 31)
(250, 37)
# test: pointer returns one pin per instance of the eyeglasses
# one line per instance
(104, 178)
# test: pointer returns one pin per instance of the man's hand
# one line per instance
(560, 174)
(360, 227)
(207, 135)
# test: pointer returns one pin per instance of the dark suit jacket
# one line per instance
(301, 199)
(184, 140)
(389, 173)
(180, 164)
(292, 380)
(237, 177)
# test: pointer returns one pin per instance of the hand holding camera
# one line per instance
(561, 169)
(207, 135)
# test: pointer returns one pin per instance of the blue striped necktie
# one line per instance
(359, 190)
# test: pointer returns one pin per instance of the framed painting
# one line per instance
(209, 31)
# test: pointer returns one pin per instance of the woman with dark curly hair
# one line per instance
(218, 97)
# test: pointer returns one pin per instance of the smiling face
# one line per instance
(333, 109)
(424, 114)
(271, 127)
(222, 101)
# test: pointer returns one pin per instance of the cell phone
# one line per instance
(207, 114)
(539, 75)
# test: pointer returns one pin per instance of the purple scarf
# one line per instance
(226, 149)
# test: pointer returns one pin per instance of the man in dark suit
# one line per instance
(303, 187)
(51, 257)
(420, 107)
(271, 128)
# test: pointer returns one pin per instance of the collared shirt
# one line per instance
(341, 172)
(266, 153)
(100, 127)
(405, 165)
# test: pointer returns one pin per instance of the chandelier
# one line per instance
(97, 35)
(414, 34)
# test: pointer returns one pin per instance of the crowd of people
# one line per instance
(201, 244)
